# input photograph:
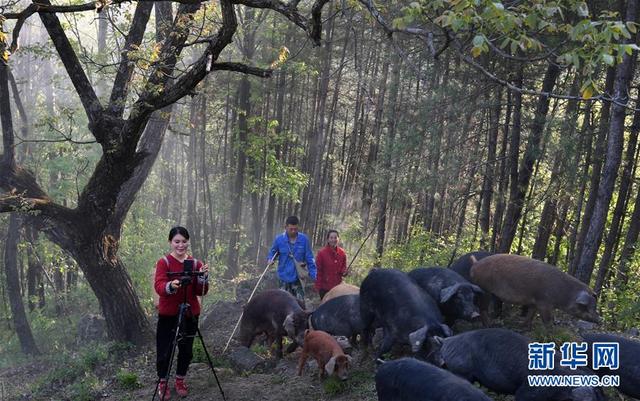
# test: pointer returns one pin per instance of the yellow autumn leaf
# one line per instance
(283, 55)
(476, 51)
(155, 53)
(587, 92)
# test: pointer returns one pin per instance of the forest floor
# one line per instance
(113, 372)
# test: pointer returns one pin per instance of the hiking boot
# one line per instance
(181, 388)
(163, 391)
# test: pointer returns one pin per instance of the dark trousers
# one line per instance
(165, 335)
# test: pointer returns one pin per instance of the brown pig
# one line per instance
(339, 290)
(277, 314)
(327, 352)
(524, 281)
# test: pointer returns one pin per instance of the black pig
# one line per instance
(407, 314)
(629, 362)
(455, 295)
(462, 265)
(498, 359)
(339, 317)
(408, 379)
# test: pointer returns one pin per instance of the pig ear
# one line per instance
(417, 337)
(447, 330)
(288, 324)
(330, 366)
(448, 292)
(477, 289)
(584, 298)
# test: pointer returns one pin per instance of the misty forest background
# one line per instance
(417, 147)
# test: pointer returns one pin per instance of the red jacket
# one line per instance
(332, 266)
(170, 303)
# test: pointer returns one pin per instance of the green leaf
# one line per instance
(608, 59)
(478, 40)
(582, 9)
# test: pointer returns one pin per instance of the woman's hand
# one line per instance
(175, 284)
(205, 270)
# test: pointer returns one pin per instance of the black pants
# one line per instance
(165, 335)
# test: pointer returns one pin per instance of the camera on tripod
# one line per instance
(187, 274)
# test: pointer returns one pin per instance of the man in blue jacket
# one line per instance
(292, 245)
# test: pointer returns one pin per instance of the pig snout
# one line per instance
(343, 367)
(339, 365)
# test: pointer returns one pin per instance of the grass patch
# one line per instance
(199, 356)
(75, 371)
(556, 334)
(260, 349)
(127, 380)
(359, 381)
(85, 389)
(333, 386)
(278, 379)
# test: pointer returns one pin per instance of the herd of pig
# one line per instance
(417, 309)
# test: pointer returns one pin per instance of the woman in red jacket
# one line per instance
(171, 294)
(331, 263)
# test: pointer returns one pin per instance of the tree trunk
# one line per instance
(630, 245)
(369, 173)
(23, 330)
(508, 225)
(487, 183)
(615, 143)
(550, 208)
(624, 193)
(502, 180)
(244, 93)
(392, 121)
(516, 202)
(594, 183)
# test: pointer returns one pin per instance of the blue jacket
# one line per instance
(301, 251)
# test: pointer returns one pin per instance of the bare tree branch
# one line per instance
(42, 7)
(79, 79)
(315, 25)
(13, 203)
(280, 7)
(125, 70)
(243, 68)
(389, 30)
(149, 101)
(8, 159)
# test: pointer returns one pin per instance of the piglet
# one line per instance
(327, 352)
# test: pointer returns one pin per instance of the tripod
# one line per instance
(184, 308)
